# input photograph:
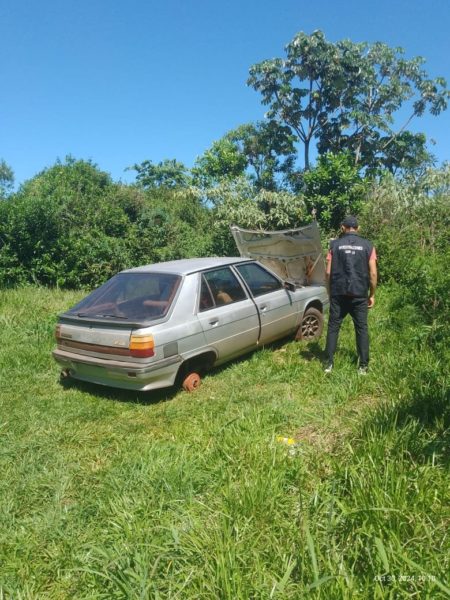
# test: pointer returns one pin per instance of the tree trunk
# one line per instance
(307, 155)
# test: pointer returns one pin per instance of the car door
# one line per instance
(275, 304)
(227, 314)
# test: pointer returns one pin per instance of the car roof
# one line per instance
(188, 265)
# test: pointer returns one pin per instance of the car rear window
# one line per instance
(130, 296)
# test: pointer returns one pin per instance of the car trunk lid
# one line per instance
(94, 339)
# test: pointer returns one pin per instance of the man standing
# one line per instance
(352, 279)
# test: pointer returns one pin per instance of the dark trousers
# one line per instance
(340, 307)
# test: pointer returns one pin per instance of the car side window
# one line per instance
(206, 300)
(219, 287)
(258, 279)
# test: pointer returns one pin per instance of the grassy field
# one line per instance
(117, 495)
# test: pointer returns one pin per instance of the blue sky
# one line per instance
(121, 82)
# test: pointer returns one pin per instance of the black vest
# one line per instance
(350, 265)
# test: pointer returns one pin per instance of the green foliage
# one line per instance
(239, 203)
(169, 173)
(409, 223)
(346, 96)
(60, 229)
(406, 153)
(303, 109)
(6, 179)
(334, 188)
(269, 152)
(173, 225)
(71, 226)
(223, 161)
(262, 151)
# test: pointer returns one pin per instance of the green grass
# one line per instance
(114, 494)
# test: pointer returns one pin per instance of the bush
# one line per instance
(173, 224)
(333, 189)
(71, 226)
(239, 203)
(409, 223)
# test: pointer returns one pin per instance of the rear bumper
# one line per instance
(121, 374)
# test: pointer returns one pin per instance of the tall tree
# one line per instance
(6, 179)
(407, 154)
(269, 151)
(345, 96)
(262, 151)
(168, 173)
(223, 161)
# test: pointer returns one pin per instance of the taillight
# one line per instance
(142, 346)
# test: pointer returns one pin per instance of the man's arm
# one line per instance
(328, 272)
(373, 278)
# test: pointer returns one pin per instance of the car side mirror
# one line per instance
(289, 286)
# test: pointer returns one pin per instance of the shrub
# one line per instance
(409, 222)
(71, 226)
(334, 188)
(239, 203)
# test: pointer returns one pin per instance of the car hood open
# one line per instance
(295, 255)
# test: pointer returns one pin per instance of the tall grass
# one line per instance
(108, 494)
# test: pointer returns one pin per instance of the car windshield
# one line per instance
(130, 296)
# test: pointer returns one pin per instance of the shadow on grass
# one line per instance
(121, 395)
(158, 395)
(149, 397)
(314, 351)
(427, 408)
(431, 410)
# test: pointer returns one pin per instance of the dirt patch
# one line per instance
(319, 437)
(328, 438)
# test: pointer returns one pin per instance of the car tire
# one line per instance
(191, 382)
(311, 326)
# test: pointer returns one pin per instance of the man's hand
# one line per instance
(371, 301)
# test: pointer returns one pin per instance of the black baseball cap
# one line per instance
(351, 222)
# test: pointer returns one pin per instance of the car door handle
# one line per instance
(263, 307)
(214, 322)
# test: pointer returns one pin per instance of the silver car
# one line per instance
(168, 323)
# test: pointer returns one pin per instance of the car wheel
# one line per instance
(311, 326)
(191, 382)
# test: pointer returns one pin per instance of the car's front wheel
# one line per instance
(311, 326)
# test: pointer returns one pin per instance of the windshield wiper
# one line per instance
(114, 316)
